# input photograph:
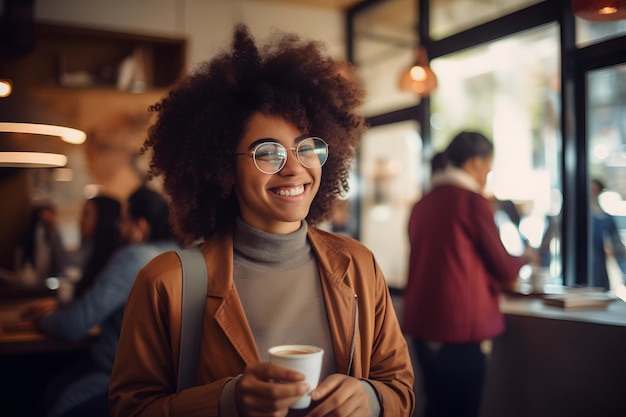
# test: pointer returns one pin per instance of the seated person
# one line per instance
(100, 237)
(42, 247)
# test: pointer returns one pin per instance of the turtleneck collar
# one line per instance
(282, 251)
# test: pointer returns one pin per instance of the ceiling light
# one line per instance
(68, 134)
(5, 88)
(419, 78)
(32, 160)
(600, 10)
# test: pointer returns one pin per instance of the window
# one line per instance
(384, 45)
(606, 133)
(448, 17)
(588, 32)
(501, 65)
(509, 90)
(390, 178)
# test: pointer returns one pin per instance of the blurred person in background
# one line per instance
(457, 268)
(40, 253)
(606, 241)
(100, 237)
(82, 390)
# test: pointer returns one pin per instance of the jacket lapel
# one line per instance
(339, 297)
(229, 314)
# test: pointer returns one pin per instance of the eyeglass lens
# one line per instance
(270, 157)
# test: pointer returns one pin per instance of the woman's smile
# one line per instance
(289, 191)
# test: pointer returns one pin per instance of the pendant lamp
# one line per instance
(599, 10)
(29, 132)
(420, 78)
(6, 87)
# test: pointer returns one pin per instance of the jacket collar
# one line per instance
(218, 253)
(333, 266)
(457, 177)
(332, 262)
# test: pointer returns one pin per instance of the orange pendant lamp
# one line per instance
(420, 78)
(599, 10)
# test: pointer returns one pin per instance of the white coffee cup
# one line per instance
(305, 359)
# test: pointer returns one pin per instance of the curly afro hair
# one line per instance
(202, 120)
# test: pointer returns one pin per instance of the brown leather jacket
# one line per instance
(367, 339)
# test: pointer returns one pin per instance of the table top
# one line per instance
(18, 336)
(533, 306)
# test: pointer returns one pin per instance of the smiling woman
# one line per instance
(255, 148)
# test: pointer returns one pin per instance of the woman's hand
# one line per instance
(268, 390)
(37, 310)
(340, 396)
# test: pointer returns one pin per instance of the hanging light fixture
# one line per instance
(32, 160)
(27, 131)
(419, 78)
(6, 87)
(599, 10)
(67, 134)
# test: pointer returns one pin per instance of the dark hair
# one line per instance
(201, 122)
(468, 145)
(438, 163)
(106, 239)
(152, 206)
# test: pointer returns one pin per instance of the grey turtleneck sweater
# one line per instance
(278, 282)
(277, 279)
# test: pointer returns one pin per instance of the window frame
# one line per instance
(575, 63)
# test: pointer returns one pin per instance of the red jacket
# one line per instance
(457, 268)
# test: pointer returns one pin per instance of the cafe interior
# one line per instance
(545, 80)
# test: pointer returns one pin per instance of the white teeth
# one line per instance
(291, 192)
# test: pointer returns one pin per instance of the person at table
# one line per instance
(457, 267)
(147, 233)
(41, 246)
(100, 238)
(254, 149)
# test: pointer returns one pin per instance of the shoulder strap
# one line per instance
(192, 314)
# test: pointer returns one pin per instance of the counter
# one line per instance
(552, 362)
(532, 306)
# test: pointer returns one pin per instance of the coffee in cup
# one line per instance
(305, 359)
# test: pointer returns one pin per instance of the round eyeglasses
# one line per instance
(271, 157)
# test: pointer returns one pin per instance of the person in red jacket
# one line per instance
(457, 267)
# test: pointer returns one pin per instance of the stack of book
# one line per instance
(580, 299)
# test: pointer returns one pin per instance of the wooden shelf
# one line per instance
(85, 57)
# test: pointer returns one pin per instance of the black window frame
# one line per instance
(575, 64)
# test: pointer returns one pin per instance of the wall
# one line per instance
(207, 24)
